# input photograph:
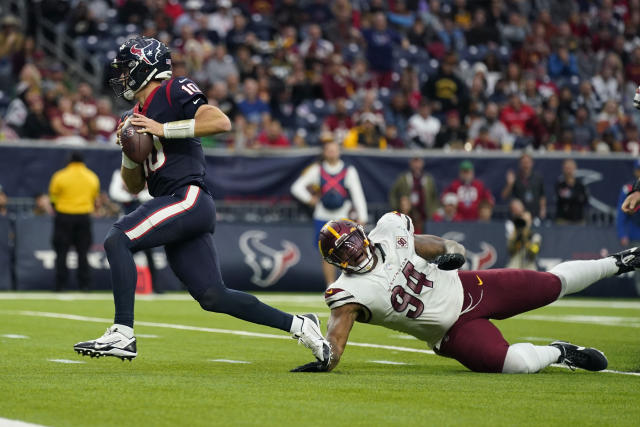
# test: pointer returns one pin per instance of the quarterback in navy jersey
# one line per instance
(181, 217)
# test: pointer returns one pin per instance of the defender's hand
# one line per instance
(449, 261)
(636, 99)
(148, 125)
(316, 366)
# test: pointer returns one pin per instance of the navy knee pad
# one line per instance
(213, 300)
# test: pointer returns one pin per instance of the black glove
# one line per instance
(449, 261)
(316, 366)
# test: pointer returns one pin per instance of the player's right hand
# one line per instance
(636, 99)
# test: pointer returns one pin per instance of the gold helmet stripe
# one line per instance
(334, 232)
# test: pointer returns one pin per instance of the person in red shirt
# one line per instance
(470, 192)
(517, 114)
(273, 136)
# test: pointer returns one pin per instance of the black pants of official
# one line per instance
(68, 231)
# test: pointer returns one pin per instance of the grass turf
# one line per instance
(175, 382)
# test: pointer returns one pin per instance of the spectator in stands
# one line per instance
(103, 126)
(73, 191)
(423, 127)
(485, 211)
(527, 186)
(562, 64)
(497, 132)
(85, 104)
(446, 89)
(452, 134)
(333, 190)
(571, 196)
(6, 132)
(36, 125)
(398, 112)
(589, 99)
(252, 107)
(340, 121)
(4, 201)
(584, 132)
(367, 134)
(42, 205)
(360, 77)
(480, 33)
(607, 85)
(273, 136)
(220, 65)
(469, 191)
(220, 22)
(11, 43)
(67, 125)
(449, 210)
(484, 142)
(517, 114)
(335, 80)
(314, 47)
(414, 193)
(218, 95)
(381, 42)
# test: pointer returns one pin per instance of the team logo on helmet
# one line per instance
(268, 264)
(147, 52)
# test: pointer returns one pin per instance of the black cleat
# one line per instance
(627, 260)
(580, 357)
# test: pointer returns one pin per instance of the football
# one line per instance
(135, 145)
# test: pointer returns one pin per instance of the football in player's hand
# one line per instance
(135, 145)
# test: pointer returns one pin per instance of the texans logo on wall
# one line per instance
(267, 264)
(483, 258)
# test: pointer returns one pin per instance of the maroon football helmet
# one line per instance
(344, 244)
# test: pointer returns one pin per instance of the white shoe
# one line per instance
(311, 337)
(112, 343)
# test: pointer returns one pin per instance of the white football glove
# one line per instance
(636, 99)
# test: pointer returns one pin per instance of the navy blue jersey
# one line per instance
(173, 163)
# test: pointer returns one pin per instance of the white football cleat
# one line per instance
(311, 337)
(113, 343)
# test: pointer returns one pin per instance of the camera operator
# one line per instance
(522, 243)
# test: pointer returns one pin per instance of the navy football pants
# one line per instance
(184, 223)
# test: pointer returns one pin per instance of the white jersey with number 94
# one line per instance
(403, 292)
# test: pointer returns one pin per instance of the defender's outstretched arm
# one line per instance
(338, 329)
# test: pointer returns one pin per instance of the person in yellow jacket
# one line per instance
(367, 134)
(73, 191)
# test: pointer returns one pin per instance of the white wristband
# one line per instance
(179, 129)
(127, 162)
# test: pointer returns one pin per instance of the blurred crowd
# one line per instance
(456, 74)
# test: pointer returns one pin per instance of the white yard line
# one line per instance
(15, 336)
(5, 422)
(388, 362)
(310, 299)
(229, 361)
(69, 361)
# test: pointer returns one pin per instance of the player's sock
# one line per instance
(578, 275)
(124, 330)
(526, 358)
(123, 275)
(296, 324)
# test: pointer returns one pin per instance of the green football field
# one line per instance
(199, 369)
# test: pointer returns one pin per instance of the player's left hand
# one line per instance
(148, 125)
(449, 261)
(316, 366)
